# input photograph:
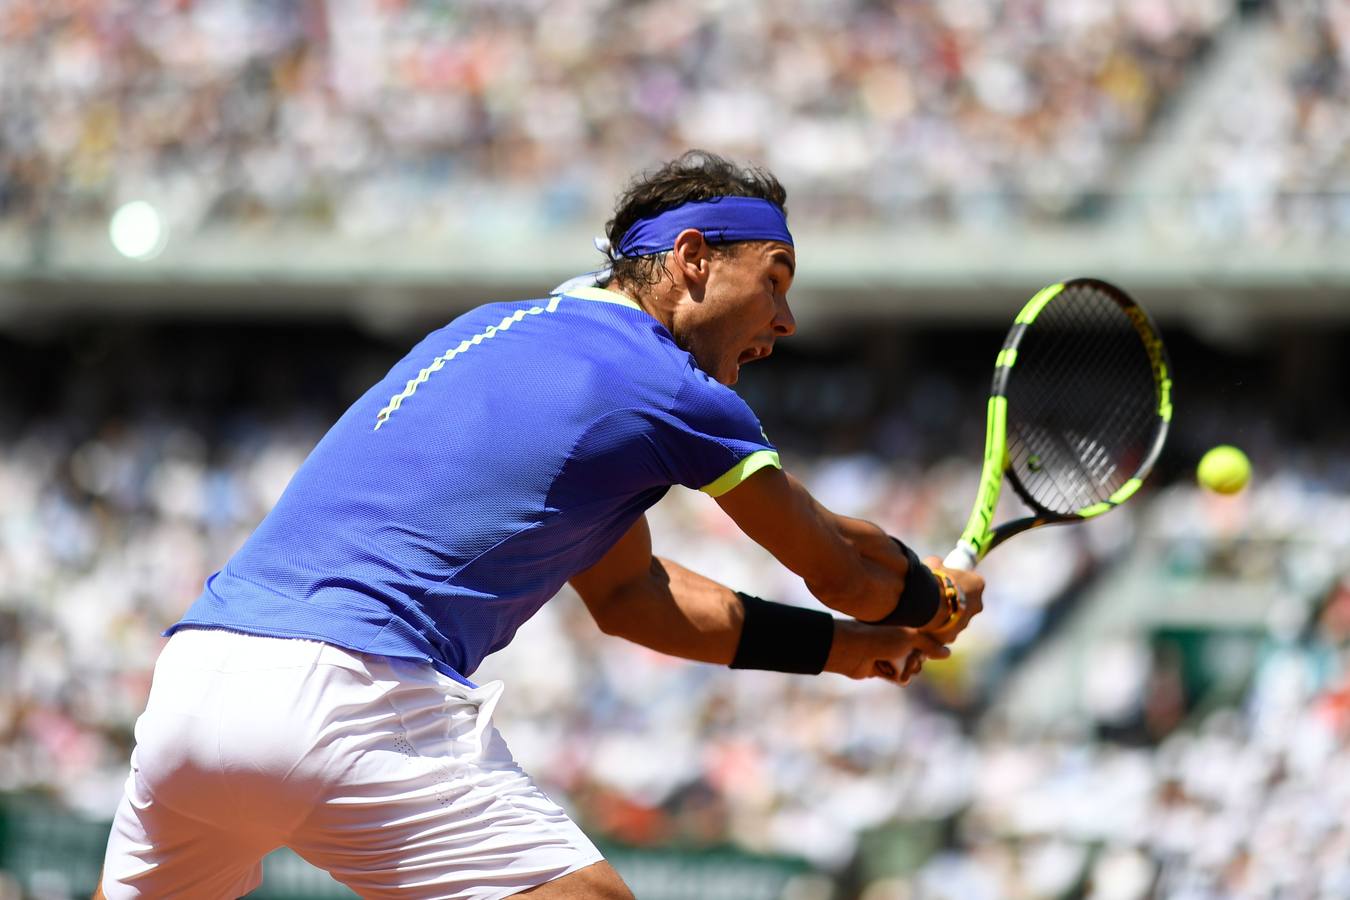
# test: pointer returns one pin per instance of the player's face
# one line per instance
(743, 310)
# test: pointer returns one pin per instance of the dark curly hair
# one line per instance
(695, 175)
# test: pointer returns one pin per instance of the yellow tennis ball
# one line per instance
(1224, 470)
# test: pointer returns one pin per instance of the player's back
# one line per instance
(503, 454)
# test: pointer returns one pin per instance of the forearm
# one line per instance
(845, 568)
(868, 540)
(872, 542)
(889, 577)
(680, 613)
(826, 559)
(677, 612)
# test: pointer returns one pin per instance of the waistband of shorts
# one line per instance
(208, 643)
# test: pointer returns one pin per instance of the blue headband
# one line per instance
(722, 221)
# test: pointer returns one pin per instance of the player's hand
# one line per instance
(861, 650)
(970, 585)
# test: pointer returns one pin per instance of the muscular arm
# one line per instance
(848, 564)
(662, 605)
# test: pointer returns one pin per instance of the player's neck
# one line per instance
(657, 301)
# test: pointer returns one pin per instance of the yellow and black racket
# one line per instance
(1078, 412)
(1077, 415)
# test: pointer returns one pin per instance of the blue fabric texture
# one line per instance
(506, 452)
(722, 221)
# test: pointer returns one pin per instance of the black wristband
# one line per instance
(782, 638)
(919, 601)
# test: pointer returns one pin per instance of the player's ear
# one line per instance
(690, 256)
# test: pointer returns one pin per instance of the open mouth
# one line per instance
(750, 354)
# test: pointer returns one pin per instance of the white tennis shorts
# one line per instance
(384, 772)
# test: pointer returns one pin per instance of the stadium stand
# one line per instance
(399, 116)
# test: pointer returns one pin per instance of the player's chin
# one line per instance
(730, 371)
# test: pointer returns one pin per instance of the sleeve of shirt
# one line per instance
(709, 439)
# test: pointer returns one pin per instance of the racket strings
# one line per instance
(1081, 445)
(1082, 402)
(1082, 360)
(1127, 418)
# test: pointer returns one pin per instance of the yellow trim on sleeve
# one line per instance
(742, 470)
(602, 295)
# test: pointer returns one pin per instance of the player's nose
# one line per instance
(784, 323)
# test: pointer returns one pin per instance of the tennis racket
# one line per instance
(1077, 415)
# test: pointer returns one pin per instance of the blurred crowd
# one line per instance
(104, 540)
(1247, 803)
(1166, 784)
(1276, 159)
(112, 521)
(393, 116)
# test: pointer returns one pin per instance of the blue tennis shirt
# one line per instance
(506, 453)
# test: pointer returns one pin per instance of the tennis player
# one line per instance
(317, 695)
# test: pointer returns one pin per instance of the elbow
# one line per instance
(608, 614)
(610, 626)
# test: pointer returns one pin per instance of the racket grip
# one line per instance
(887, 670)
(960, 558)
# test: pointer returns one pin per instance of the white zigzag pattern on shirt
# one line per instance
(439, 362)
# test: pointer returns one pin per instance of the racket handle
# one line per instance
(960, 558)
(887, 670)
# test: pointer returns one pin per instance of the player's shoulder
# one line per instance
(574, 308)
(612, 327)
(700, 398)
